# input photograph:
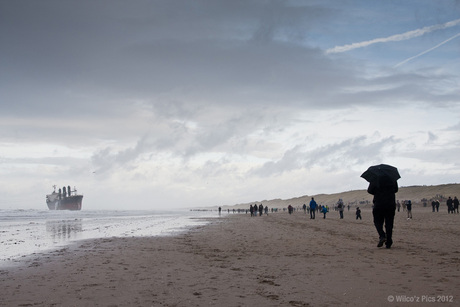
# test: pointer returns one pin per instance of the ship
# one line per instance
(64, 199)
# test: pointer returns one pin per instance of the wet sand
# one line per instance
(236, 260)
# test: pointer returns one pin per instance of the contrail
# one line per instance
(394, 38)
(426, 51)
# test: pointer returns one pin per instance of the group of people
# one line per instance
(314, 207)
(261, 209)
(384, 190)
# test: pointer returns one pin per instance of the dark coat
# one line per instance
(384, 192)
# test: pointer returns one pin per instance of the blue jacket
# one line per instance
(313, 205)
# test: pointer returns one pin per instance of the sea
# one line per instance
(27, 232)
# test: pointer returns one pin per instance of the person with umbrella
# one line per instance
(383, 185)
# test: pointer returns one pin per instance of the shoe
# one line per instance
(388, 243)
(381, 241)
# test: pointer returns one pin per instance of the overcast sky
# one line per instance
(168, 104)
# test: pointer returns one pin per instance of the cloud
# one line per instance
(394, 38)
(332, 157)
(207, 100)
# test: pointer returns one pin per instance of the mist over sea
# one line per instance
(25, 232)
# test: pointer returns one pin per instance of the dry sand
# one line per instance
(236, 260)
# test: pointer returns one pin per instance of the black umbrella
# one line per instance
(374, 172)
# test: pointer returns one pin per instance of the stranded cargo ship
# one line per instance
(64, 199)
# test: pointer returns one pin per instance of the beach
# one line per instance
(237, 260)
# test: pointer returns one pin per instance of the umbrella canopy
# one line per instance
(375, 172)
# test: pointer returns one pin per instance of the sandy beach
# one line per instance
(238, 260)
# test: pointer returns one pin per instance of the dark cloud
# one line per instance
(235, 91)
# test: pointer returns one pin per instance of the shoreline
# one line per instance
(238, 260)
(25, 233)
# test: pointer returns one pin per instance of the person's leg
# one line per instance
(389, 220)
(379, 219)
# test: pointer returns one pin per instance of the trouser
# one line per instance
(312, 214)
(384, 217)
(409, 214)
(341, 214)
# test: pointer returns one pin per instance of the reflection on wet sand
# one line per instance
(64, 230)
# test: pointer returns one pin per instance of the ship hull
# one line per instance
(66, 203)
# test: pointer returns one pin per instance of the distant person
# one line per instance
(340, 207)
(304, 207)
(409, 209)
(290, 209)
(433, 205)
(384, 190)
(324, 211)
(437, 205)
(261, 209)
(251, 210)
(455, 202)
(358, 213)
(398, 205)
(220, 209)
(313, 206)
(266, 210)
(450, 205)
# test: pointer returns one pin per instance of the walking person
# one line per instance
(450, 205)
(409, 209)
(358, 213)
(455, 202)
(313, 206)
(384, 190)
(341, 207)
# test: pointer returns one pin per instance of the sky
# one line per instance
(179, 104)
